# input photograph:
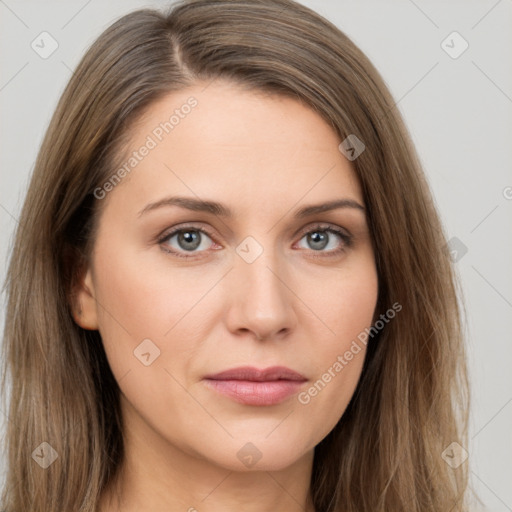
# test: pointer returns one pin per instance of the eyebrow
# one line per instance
(221, 210)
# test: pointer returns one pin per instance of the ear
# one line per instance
(83, 302)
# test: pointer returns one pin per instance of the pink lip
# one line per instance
(250, 386)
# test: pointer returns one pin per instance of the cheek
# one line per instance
(152, 313)
(351, 308)
(142, 296)
(147, 328)
(343, 301)
(346, 308)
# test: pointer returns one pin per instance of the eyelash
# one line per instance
(347, 239)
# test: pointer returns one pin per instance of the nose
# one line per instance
(260, 299)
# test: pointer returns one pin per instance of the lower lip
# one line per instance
(256, 393)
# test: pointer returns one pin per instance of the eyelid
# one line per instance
(322, 226)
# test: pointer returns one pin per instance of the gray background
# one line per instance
(458, 110)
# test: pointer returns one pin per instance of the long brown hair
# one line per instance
(411, 402)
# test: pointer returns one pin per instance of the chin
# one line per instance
(255, 453)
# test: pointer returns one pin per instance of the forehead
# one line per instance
(245, 148)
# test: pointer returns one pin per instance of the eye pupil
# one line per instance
(318, 239)
(190, 239)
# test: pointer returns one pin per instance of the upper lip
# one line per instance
(250, 373)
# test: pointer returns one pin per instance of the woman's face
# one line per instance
(261, 287)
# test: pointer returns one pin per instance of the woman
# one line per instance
(229, 288)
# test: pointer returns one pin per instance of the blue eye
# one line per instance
(320, 237)
(188, 240)
(191, 239)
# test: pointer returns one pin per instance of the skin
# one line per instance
(264, 157)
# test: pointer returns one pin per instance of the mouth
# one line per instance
(251, 386)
